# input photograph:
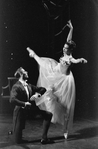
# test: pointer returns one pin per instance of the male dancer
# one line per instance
(20, 95)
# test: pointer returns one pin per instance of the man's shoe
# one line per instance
(46, 141)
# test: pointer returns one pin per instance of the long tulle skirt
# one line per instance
(60, 100)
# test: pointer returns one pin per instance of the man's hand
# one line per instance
(27, 104)
(35, 96)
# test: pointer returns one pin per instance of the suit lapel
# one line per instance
(30, 91)
(23, 89)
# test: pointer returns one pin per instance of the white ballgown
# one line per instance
(59, 98)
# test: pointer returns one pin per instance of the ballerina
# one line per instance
(58, 79)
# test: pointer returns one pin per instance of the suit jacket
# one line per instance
(18, 96)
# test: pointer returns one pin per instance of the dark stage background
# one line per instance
(26, 23)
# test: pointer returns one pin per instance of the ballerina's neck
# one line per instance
(67, 56)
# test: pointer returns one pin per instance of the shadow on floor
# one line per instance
(84, 133)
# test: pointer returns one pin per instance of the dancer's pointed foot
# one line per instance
(66, 135)
(31, 52)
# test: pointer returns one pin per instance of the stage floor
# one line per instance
(83, 136)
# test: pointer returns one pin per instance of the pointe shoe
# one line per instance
(66, 135)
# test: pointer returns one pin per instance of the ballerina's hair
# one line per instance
(71, 44)
(18, 72)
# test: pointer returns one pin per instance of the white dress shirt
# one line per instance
(25, 86)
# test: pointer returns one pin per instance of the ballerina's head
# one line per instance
(67, 50)
(68, 47)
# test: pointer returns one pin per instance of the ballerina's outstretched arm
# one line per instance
(69, 37)
(79, 60)
(38, 59)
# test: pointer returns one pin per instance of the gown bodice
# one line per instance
(63, 68)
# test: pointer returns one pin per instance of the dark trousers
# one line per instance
(19, 123)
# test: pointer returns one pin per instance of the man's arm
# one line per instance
(40, 90)
(37, 92)
(14, 98)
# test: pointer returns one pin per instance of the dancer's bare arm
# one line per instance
(79, 60)
(69, 37)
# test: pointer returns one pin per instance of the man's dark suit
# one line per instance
(18, 96)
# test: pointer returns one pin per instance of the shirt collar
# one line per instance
(23, 82)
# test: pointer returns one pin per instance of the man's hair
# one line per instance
(18, 72)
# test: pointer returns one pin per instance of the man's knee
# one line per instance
(50, 115)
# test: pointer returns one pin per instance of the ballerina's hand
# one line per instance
(69, 24)
(83, 60)
(31, 52)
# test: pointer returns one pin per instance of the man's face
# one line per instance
(25, 74)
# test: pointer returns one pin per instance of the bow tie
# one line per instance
(25, 84)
